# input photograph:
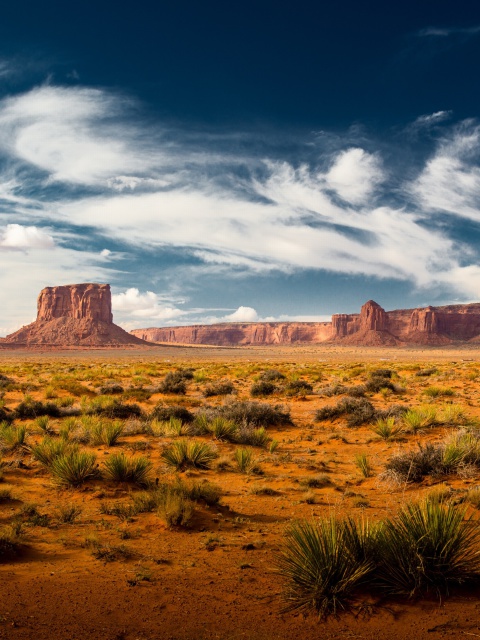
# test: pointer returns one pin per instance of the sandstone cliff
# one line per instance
(373, 326)
(73, 315)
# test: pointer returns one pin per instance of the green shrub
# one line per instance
(255, 437)
(387, 429)
(34, 408)
(223, 388)
(322, 566)
(49, 449)
(436, 392)
(119, 468)
(164, 412)
(74, 468)
(416, 420)
(298, 388)
(363, 464)
(271, 375)
(189, 453)
(107, 433)
(245, 460)
(254, 413)
(222, 429)
(357, 410)
(110, 389)
(427, 548)
(262, 388)
(110, 407)
(12, 437)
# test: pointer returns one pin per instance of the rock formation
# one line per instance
(73, 315)
(373, 326)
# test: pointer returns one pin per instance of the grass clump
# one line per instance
(255, 437)
(298, 388)
(322, 566)
(12, 437)
(222, 429)
(51, 448)
(106, 433)
(262, 388)
(222, 388)
(271, 375)
(183, 454)
(67, 513)
(387, 429)
(415, 420)
(112, 408)
(169, 428)
(245, 461)
(437, 392)
(136, 470)
(316, 482)
(74, 468)
(362, 463)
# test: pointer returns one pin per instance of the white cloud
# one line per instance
(20, 238)
(147, 305)
(242, 314)
(105, 253)
(355, 175)
(431, 119)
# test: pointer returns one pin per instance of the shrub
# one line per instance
(427, 548)
(171, 428)
(107, 433)
(363, 464)
(246, 463)
(316, 482)
(68, 513)
(49, 449)
(355, 391)
(416, 420)
(34, 408)
(164, 413)
(222, 429)
(271, 375)
(412, 466)
(298, 388)
(184, 453)
(113, 408)
(223, 388)
(175, 382)
(119, 468)
(110, 389)
(246, 434)
(176, 509)
(387, 429)
(254, 413)
(426, 372)
(74, 468)
(262, 388)
(12, 437)
(357, 410)
(435, 392)
(322, 565)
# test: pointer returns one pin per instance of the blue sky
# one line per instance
(240, 161)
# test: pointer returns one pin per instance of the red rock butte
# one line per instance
(76, 315)
(373, 326)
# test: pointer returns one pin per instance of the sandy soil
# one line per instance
(216, 578)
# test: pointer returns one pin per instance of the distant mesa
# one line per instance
(76, 315)
(373, 326)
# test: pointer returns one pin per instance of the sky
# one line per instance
(240, 161)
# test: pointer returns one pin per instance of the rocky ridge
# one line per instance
(373, 326)
(77, 315)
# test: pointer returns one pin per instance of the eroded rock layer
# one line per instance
(373, 326)
(73, 315)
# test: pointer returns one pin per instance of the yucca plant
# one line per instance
(12, 437)
(363, 464)
(49, 449)
(222, 429)
(43, 423)
(255, 437)
(321, 566)
(74, 468)
(183, 454)
(387, 429)
(416, 420)
(245, 460)
(428, 547)
(454, 415)
(119, 468)
(107, 433)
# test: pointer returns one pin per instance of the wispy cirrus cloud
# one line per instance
(445, 32)
(75, 160)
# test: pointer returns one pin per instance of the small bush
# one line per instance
(254, 413)
(426, 372)
(363, 464)
(113, 408)
(245, 460)
(110, 389)
(298, 388)
(262, 388)
(171, 428)
(68, 513)
(119, 468)
(416, 420)
(175, 383)
(316, 482)
(34, 408)
(222, 429)
(387, 429)
(74, 468)
(255, 437)
(176, 510)
(189, 453)
(49, 449)
(107, 433)
(164, 413)
(271, 375)
(12, 437)
(436, 392)
(223, 388)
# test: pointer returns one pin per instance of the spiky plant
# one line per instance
(245, 460)
(416, 420)
(184, 453)
(363, 464)
(428, 547)
(320, 569)
(49, 449)
(222, 429)
(12, 437)
(74, 468)
(387, 429)
(119, 468)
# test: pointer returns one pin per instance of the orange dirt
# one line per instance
(216, 579)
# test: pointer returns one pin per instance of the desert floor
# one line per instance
(112, 573)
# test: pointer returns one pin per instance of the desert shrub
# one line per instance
(67, 513)
(316, 482)
(473, 497)
(387, 428)
(262, 388)
(382, 373)
(5, 415)
(454, 415)
(262, 490)
(9, 542)
(169, 428)
(223, 388)
(43, 423)
(427, 548)
(426, 372)
(363, 464)
(29, 408)
(255, 437)
(245, 461)
(254, 413)
(322, 566)
(74, 468)
(176, 510)
(436, 392)
(119, 509)
(140, 394)
(357, 410)
(165, 412)
(136, 470)
(355, 391)
(412, 466)
(107, 433)
(110, 389)
(298, 388)
(188, 453)
(416, 420)
(112, 408)
(271, 375)
(175, 382)
(74, 387)
(49, 449)
(12, 437)
(222, 429)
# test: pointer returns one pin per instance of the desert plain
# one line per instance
(111, 558)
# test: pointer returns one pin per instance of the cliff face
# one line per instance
(373, 326)
(231, 334)
(73, 315)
